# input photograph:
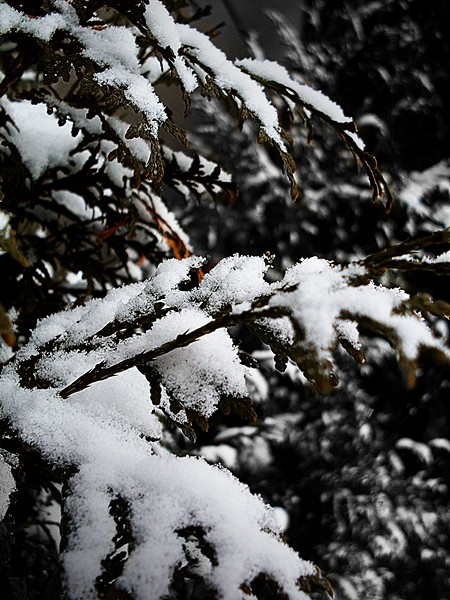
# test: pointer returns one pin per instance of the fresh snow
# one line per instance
(42, 28)
(138, 91)
(99, 431)
(42, 143)
(109, 432)
(230, 78)
(103, 430)
(272, 71)
(165, 30)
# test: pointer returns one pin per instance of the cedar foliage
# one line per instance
(363, 469)
(125, 232)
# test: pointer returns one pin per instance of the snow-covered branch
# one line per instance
(59, 396)
(109, 343)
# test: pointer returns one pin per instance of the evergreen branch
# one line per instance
(388, 258)
(101, 372)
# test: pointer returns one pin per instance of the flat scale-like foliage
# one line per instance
(86, 398)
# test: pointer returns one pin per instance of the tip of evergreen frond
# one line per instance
(289, 168)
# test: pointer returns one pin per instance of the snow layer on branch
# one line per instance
(185, 162)
(42, 28)
(167, 221)
(138, 91)
(209, 367)
(77, 324)
(99, 432)
(272, 71)
(441, 258)
(419, 184)
(196, 376)
(102, 430)
(230, 78)
(114, 51)
(110, 47)
(165, 30)
(321, 295)
(113, 48)
(78, 116)
(234, 282)
(348, 330)
(138, 147)
(41, 142)
(315, 296)
(167, 494)
(169, 275)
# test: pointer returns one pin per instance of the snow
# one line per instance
(108, 418)
(168, 277)
(349, 331)
(138, 147)
(98, 430)
(272, 71)
(109, 433)
(7, 486)
(78, 116)
(152, 68)
(197, 375)
(4, 220)
(230, 78)
(421, 450)
(76, 205)
(114, 50)
(419, 184)
(441, 258)
(165, 30)
(112, 46)
(323, 292)
(226, 455)
(138, 91)
(356, 139)
(236, 280)
(372, 120)
(42, 28)
(42, 143)
(103, 429)
(162, 25)
(440, 443)
(79, 323)
(167, 219)
(185, 162)
(282, 517)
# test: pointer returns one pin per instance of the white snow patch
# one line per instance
(41, 142)
(272, 71)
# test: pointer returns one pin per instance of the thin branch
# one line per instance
(101, 372)
(387, 258)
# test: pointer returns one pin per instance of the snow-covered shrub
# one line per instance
(117, 343)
